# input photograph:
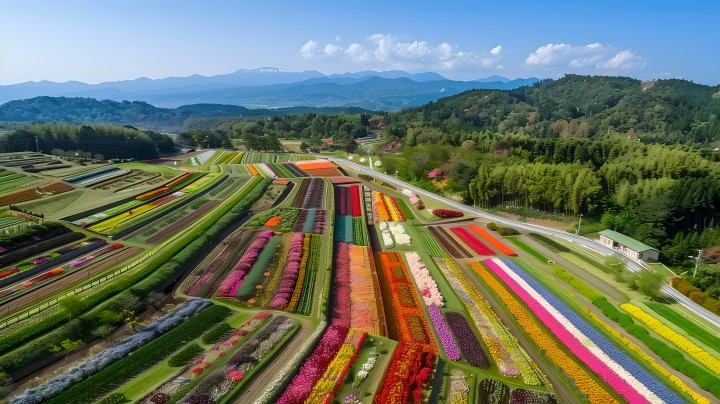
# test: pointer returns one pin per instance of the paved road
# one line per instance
(583, 241)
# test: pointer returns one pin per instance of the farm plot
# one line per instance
(310, 195)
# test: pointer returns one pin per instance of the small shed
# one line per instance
(629, 246)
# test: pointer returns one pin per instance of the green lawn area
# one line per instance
(53, 204)
(370, 386)
(152, 168)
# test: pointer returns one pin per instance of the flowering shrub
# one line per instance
(446, 213)
(414, 199)
(232, 283)
(437, 174)
(389, 146)
(605, 359)
(119, 350)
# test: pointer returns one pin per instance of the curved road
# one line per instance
(584, 241)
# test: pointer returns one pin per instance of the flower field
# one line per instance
(251, 277)
(614, 367)
(386, 209)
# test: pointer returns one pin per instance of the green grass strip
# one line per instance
(115, 375)
(531, 251)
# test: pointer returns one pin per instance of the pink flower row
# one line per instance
(290, 273)
(230, 286)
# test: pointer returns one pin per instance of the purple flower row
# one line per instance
(443, 332)
(469, 345)
(230, 286)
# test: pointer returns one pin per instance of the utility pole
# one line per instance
(37, 145)
(577, 232)
(697, 261)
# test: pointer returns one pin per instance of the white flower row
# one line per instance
(114, 353)
(386, 236)
(582, 338)
(266, 171)
(203, 157)
(424, 281)
(398, 232)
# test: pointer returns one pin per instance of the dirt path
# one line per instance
(608, 290)
(66, 281)
(256, 387)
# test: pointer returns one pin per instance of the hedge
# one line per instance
(218, 333)
(696, 295)
(672, 357)
(115, 375)
(159, 273)
(549, 243)
(579, 285)
(185, 355)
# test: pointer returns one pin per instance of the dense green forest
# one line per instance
(137, 113)
(665, 111)
(101, 141)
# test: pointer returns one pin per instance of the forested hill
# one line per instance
(666, 111)
(137, 113)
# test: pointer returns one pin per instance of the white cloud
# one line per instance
(624, 60)
(591, 56)
(357, 53)
(331, 49)
(308, 49)
(387, 51)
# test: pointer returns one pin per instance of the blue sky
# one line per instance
(95, 41)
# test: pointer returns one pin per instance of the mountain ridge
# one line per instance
(267, 87)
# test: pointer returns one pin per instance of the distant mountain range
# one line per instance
(272, 88)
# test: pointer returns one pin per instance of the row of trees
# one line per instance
(106, 140)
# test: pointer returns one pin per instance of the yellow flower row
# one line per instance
(660, 369)
(335, 370)
(119, 219)
(202, 181)
(699, 354)
(582, 379)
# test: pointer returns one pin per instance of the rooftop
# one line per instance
(628, 242)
